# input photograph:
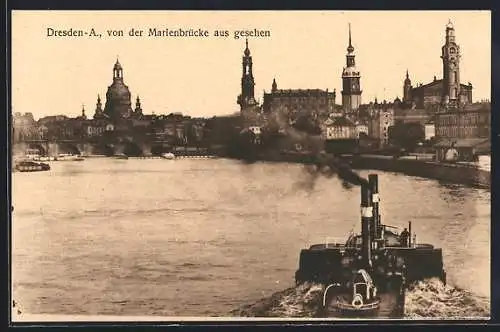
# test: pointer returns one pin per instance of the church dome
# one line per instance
(118, 90)
(118, 104)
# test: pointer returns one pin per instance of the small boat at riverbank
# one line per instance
(69, 157)
(168, 156)
(44, 158)
(120, 156)
(31, 166)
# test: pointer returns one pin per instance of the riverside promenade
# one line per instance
(457, 173)
(466, 174)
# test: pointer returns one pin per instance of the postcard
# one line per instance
(250, 165)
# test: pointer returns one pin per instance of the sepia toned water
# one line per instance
(204, 237)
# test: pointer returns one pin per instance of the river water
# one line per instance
(203, 237)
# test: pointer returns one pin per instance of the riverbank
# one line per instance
(452, 173)
(469, 175)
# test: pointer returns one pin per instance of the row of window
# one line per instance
(468, 120)
(308, 100)
(458, 132)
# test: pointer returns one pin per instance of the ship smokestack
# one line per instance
(366, 221)
(375, 226)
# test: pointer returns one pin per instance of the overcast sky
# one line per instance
(201, 76)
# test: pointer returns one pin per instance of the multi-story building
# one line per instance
(340, 128)
(313, 102)
(380, 120)
(471, 122)
(466, 130)
(341, 135)
(24, 127)
(421, 116)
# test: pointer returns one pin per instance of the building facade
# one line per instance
(429, 131)
(471, 122)
(340, 128)
(292, 102)
(421, 116)
(351, 85)
(465, 132)
(24, 127)
(378, 125)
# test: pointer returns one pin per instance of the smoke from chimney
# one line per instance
(324, 164)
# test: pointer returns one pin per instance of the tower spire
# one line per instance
(350, 34)
(350, 48)
(247, 50)
(407, 76)
(246, 98)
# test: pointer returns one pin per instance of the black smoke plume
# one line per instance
(330, 165)
(278, 132)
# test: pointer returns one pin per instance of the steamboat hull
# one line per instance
(326, 265)
(389, 305)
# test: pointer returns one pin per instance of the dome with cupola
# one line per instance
(118, 103)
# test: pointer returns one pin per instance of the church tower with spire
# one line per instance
(247, 98)
(138, 108)
(351, 88)
(407, 89)
(274, 86)
(450, 54)
(98, 109)
(83, 116)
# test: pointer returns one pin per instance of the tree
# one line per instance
(406, 135)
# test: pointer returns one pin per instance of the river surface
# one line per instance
(197, 237)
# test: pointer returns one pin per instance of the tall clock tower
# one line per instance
(246, 98)
(351, 88)
(450, 53)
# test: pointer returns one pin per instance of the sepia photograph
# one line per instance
(250, 165)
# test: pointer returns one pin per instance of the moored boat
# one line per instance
(120, 156)
(69, 157)
(168, 155)
(31, 166)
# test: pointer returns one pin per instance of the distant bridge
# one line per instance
(87, 147)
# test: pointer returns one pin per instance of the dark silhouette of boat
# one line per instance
(120, 156)
(31, 166)
(368, 274)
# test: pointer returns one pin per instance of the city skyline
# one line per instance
(201, 77)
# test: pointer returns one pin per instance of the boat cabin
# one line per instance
(390, 238)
